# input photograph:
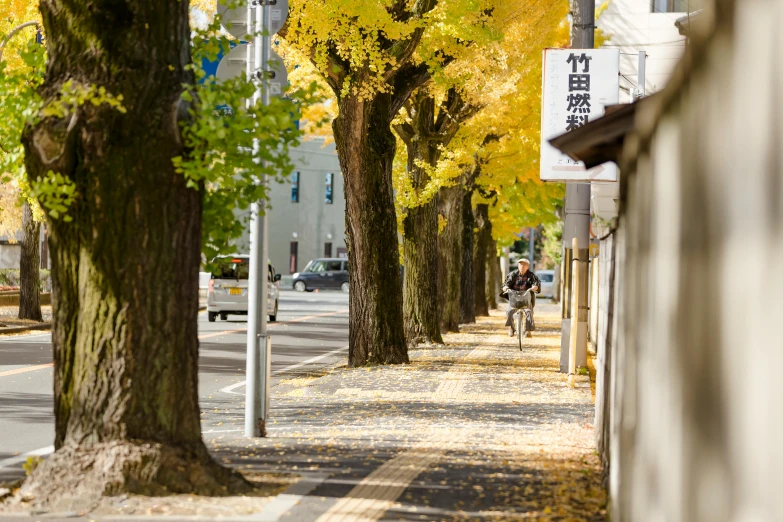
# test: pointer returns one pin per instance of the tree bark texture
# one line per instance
(124, 269)
(420, 245)
(450, 258)
(483, 239)
(29, 268)
(366, 148)
(493, 276)
(467, 279)
(424, 136)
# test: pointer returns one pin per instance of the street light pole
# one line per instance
(258, 370)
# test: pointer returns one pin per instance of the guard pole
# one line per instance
(576, 271)
(259, 345)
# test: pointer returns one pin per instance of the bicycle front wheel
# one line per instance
(521, 326)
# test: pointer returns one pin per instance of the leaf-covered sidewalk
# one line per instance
(473, 430)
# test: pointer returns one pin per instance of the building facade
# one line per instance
(307, 210)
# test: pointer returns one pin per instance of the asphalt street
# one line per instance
(311, 333)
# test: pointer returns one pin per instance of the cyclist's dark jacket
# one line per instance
(519, 282)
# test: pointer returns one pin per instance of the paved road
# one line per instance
(312, 332)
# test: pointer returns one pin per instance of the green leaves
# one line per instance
(232, 145)
(73, 95)
(228, 145)
(55, 193)
(20, 104)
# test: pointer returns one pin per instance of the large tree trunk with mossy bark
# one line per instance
(483, 239)
(424, 134)
(29, 267)
(450, 257)
(366, 148)
(420, 254)
(368, 100)
(125, 352)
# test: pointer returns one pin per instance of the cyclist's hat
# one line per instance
(524, 260)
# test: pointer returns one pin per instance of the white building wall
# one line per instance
(632, 27)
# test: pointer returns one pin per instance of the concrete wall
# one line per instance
(311, 219)
(692, 408)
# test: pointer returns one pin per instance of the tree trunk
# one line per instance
(467, 279)
(366, 148)
(125, 266)
(493, 276)
(29, 268)
(420, 250)
(420, 224)
(450, 258)
(483, 238)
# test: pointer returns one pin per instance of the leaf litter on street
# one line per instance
(513, 441)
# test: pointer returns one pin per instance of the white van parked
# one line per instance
(228, 289)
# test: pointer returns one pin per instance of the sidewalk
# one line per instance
(475, 430)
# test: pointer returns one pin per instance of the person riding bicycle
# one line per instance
(521, 279)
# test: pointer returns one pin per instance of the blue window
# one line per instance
(329, 188)
(295, 187)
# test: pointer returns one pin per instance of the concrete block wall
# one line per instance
(691, 405)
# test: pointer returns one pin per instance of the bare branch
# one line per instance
(408, 78)
(405, 131)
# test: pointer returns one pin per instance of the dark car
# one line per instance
(323, 273)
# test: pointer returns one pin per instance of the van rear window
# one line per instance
(234, 268)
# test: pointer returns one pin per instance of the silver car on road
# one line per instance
(227, 292)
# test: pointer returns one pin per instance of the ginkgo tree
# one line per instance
(19, 27)
(373, 55)
(135, 171)
(491, 147)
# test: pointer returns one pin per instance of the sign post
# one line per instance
(578, 85)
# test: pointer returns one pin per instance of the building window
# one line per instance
(327, 250)
(675, 6)
(329, 188)
(295, 187)
(292, 264)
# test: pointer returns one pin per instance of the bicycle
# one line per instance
(522, 301)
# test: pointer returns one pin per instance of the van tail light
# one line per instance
(211, 288)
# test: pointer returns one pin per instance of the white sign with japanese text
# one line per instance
(578, 85)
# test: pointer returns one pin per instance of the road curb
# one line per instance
(19, 329)
(48, 326)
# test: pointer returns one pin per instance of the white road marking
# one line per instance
(17, 338)
(231, 388)
(40, 452)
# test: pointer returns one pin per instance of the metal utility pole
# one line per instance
(259, 353)
(577, 208)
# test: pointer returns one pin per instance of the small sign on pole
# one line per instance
(578, 85)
